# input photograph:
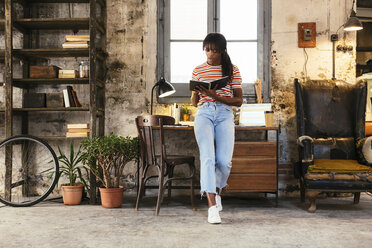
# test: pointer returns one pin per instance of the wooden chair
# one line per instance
(165, 163)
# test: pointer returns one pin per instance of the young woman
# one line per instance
(214, 121)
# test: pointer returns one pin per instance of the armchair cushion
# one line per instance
(335, 177)
(364, 151)
(338, 166)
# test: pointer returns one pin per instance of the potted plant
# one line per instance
(185, 114)
(109, 154)
(71, 168)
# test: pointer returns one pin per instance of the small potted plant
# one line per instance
(185, 114)
(109, 154)
(71, 168)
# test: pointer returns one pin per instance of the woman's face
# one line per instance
(213, 56)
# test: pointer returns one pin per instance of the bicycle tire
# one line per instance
(25, 141)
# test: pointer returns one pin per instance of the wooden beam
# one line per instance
(100, 27)
(52, 23)
(51, 52)
(8, 95)
(93, 89)
(51, 109)
(57, 1)
(102, 3)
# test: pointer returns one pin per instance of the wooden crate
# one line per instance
(34, 100)
(43, 71)
(54, 100)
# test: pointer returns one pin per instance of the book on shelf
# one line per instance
(78, 125)
(65, 98)
(67, 74)
(79, 130)
(77, 37)
(75, 44)
(222, 82)
(83, 134)
(76, 101)
(70, 97)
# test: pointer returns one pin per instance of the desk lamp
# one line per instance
(164, 89)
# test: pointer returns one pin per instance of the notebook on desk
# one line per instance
(253, 114)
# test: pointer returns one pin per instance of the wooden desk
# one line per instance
(254, 163)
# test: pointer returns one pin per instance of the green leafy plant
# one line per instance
(71, 167)
(109, 153)
(185, 110)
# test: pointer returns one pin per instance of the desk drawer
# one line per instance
(252, 182)
(255, 149)
(254, 165)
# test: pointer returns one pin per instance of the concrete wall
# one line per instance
(131, 45)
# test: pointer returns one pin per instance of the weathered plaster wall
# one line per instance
(131, 45)
(288, 61)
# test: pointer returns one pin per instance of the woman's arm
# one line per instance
(194, 98)
(236, 100)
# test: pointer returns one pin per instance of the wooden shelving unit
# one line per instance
(2, 24)
(30, 82)
(53, 23)
(50, 109)
(95, 54)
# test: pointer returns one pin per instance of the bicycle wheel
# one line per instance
(28, 170)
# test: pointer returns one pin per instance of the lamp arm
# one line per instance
(152, 96)
(333, 61)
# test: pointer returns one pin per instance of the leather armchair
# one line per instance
(330, 121)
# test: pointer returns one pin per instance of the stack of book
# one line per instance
(67, 73)
(78, 130)
(76, 41)
(70, 97)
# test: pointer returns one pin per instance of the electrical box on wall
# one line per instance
(307, 34)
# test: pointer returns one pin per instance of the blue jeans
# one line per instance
(214, 124)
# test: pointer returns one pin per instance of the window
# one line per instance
(183, 24)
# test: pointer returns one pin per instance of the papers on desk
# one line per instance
(187, 123)
(253, 114)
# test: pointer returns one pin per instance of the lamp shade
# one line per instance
(353, 23)
(164, 88)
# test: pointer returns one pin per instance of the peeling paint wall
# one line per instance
(131, 45)
(288, 60)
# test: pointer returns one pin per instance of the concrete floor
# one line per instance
(247, 222)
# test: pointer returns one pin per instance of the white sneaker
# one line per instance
(218, 202)
(214, 215)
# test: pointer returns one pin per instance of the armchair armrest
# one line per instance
(306, 142)
(364, 150)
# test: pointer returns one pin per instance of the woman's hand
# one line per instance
(236, 100)
(194, 98)
(211, 93)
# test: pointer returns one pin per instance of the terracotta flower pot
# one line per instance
(111, 197)
(186, 117)
(72, 194)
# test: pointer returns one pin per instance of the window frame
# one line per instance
(183, 93)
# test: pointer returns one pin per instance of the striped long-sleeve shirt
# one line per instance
(208, 73)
